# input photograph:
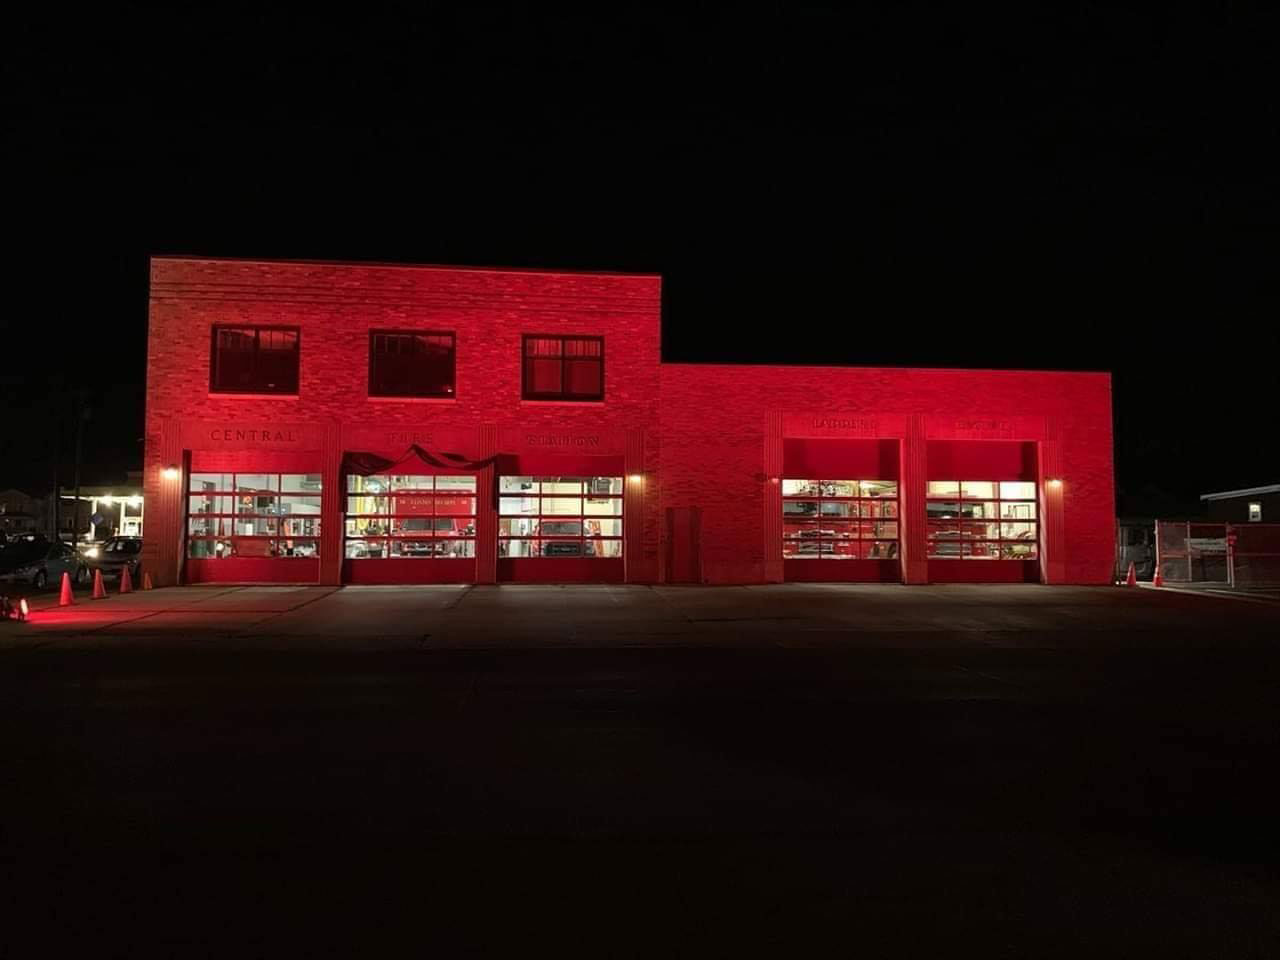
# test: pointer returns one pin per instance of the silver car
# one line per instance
(39, 563)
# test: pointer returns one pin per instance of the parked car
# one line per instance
(39, 562)
(116, 554)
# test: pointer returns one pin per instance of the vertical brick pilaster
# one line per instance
(168, 521)
(634, 480)
(487, 510)
(332, 507)
(772, 464)
(652, 532)
(1053, 548)
(913, 483)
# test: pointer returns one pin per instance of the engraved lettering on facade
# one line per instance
(421, 438)
(868, 424)
(241, 435)
(984, 425)
(560, 440)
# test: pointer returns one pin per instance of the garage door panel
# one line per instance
(254, 570)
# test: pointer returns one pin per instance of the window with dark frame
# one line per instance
(411, 363)
(254, 360)
(563, 368)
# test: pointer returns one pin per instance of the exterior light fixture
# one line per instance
(636, 478)
(1055, 481)
(171, 472)
(23, 609)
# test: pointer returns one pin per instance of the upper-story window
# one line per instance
(411, 364)
(563, 368)
(254, 360)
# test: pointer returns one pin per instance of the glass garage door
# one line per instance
(983, 531)
(410, 529)
(828, 526)
(553, 528)
(982, 520)
(249, 527)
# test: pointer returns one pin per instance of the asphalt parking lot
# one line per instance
(602, 617)
(624, 771)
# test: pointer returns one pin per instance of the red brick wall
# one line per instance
(713, 425)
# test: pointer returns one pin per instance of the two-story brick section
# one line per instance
(356, 423)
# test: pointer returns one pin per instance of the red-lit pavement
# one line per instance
(598, 616)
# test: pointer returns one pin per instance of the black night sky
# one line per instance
(923, 186)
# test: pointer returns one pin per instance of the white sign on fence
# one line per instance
(1207, 544)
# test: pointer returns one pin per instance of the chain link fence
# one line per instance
(1227, 553)
(1256, 553)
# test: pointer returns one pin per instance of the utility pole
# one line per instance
(55, 439)
(82, 414)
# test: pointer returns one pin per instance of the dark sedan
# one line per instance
(114, 555)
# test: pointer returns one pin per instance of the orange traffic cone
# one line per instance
(66, 598)
(146, 580)
(99, 591)
(1156, 579)
(1132, 579)
(126, 581)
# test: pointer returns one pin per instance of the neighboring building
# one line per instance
(355, 423)
(106, 510)
(1251, 505)
(21, 513)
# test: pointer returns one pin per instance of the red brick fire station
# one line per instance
(365, 424)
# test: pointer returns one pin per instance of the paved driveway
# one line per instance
(791, 615)
(625, 771)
